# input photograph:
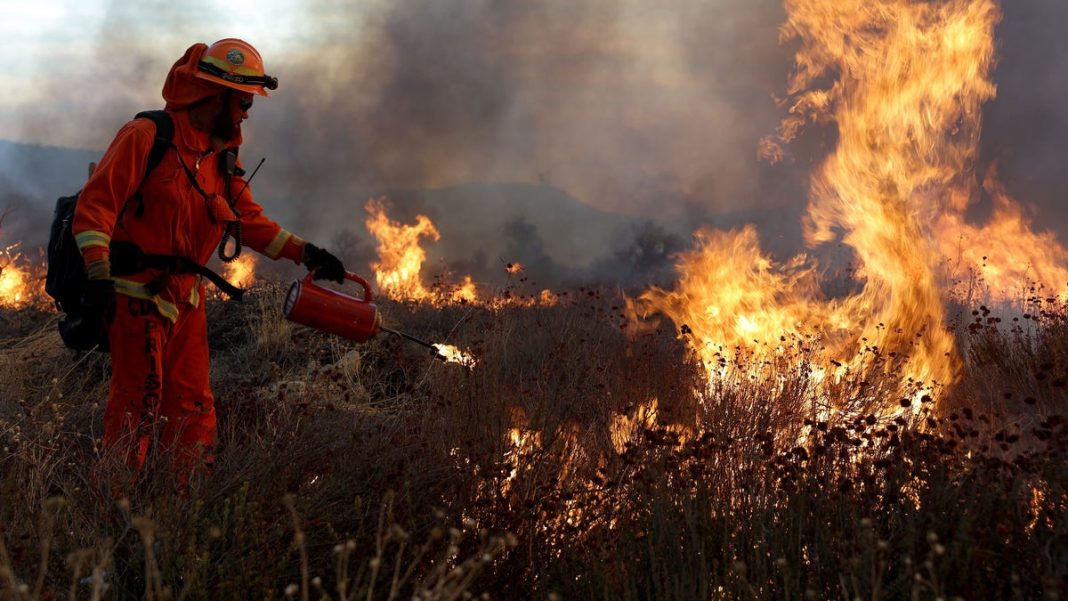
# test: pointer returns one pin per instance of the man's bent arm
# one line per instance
(115, 179)
(259, 232)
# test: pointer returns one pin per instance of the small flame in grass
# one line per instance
(548, 298)
(242, 271)
(451, 354)
(15, 289)
(401, 257)
(1007, 251)
(466, 292)
(625, 428)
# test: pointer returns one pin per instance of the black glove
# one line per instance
(86, 328)
(325, 265)
(98, 301)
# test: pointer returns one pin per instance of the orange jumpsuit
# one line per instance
(159, 346)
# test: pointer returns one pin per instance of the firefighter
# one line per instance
(158, 330)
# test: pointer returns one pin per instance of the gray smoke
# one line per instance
(649, 112)
(1025, 129)
(582, 120)
(631, 108)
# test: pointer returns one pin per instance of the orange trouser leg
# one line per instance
(159, 380)
(188, 405)
(136, 337)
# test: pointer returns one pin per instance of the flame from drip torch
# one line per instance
(446, 352)
(451, 354)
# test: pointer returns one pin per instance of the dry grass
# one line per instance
(376, 472)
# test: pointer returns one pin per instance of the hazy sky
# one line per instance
(45, 41)
(627, 104)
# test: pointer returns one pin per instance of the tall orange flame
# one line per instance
(400, 258)
(904, 84)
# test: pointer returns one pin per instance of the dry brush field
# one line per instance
(581, 458)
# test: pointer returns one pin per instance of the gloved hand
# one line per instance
(98, 300)
(325, 265)
(87, 328)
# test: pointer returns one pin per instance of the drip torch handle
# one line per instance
(352, 277)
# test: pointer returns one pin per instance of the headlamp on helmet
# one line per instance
(235, 64)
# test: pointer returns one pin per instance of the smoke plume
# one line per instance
(651, 111)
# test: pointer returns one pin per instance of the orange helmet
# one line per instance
(235, 64)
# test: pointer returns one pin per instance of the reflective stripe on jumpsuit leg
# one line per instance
(159, 370)
(136, 337)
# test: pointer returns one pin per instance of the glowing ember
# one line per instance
(625, 428)
(242, 271)
(451, 354)
(904, 83)
(514, 268)
(522, 443)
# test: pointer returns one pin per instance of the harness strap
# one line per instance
(127, 259)
(233, 228)
(191, 176)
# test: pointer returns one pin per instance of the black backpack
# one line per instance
(67, 279)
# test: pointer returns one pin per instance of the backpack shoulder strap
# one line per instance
(164, 136)
(163, 141)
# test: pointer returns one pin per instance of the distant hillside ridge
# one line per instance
(482, 225)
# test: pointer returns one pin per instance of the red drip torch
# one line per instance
(334, 312)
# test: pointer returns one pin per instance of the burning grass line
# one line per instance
(735, 487)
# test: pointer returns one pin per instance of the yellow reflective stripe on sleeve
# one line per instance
(89, 238)
(275, 247)
(137, 290)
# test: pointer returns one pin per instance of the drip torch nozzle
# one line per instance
(412, 338)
